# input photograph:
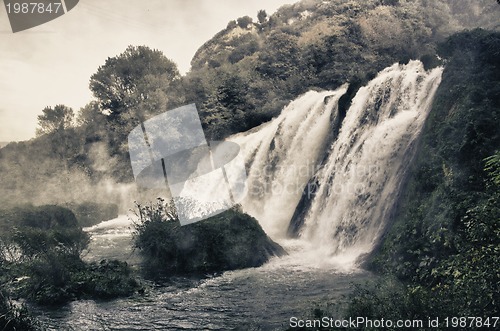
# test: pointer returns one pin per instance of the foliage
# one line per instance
(44, 217)
(126, 80)
(34, 242)
(130, 88)
(389, 299)
(58, 278)
(308, 45)
(42, 246)
(493, 167)
(38, 230)
(50, 278)
(53, 168)
(55, 120)
(262, 16)
(244, 22)
(227, 109)
(110, 279)
(227, 241)
(93, 123)
(13, 317)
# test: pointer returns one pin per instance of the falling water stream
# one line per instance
(356, 164)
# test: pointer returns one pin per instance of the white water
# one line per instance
(366, 162)
(283, 154)
(112, 240)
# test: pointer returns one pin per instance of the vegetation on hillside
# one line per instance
(315, 45)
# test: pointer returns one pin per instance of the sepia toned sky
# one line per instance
(52, 63)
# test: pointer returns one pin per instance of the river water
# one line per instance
(262, 298)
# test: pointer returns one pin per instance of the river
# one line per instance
(262, 298)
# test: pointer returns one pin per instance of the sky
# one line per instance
(52, 63)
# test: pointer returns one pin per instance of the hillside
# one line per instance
(250, 70)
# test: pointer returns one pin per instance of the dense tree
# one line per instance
(126, 80)
(244, 21)
(90, 115)
(262, 16)
(227, 108)
(130, 88)
(54, 119)
(92, 122)
(279, 60)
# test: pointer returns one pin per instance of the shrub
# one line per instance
(107, 279)
(244, 21)
(57, 279)
(47, 243)
(13, 317)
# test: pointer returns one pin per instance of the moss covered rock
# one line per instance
(228, 241)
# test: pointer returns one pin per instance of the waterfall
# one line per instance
(282, 155)
(355, 165)
(364, 170)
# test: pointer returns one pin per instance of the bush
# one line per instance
(57, 279)
(244, 21)
(107, 279)
(389, 299)
(37, 230)
(13, 317)
(50, 278)
(41, 217)
(47, 243)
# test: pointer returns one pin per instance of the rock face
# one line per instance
(228, 241)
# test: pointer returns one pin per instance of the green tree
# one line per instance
(244, 21)
(134, 76)
(262, 16)
(92, 122)
(129, 88)
(90, 115)
(54, 119)
(279, 60)
(226, 109)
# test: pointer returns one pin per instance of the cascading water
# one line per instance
(283, 154)
(356, 186)
(361, 177)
